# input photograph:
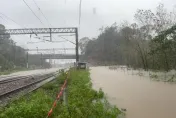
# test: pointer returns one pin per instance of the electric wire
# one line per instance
(33, 12)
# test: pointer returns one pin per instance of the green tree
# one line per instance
(12, 55)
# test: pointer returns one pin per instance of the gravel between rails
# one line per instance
(12, 85)
(13, 89)
(16, 95)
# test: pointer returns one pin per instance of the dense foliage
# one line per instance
(149, 43)
(13, 56)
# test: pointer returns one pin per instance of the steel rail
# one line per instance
(15, 78)
(25, 86)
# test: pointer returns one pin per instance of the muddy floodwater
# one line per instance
(142, 97)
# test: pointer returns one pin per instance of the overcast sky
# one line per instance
(64, 13)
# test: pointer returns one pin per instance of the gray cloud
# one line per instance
(65, 14)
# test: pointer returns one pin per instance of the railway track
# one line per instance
(6, 80)
(11, 87)
(14, 78)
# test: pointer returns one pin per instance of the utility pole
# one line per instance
(41, 56)
(14, 45)
(77, 52)
(47, 31)
(80, 3)
(27, 60)
(50, 59)
(37, 49)
(54, 56)
(50, 35)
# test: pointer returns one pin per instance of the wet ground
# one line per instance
(29, 72)
(142, 97)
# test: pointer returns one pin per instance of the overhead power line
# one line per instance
(67, 40)
(3, 19)
(33, 12)
(42, 14)
(7, 17)
(36, 17)
(50, 25)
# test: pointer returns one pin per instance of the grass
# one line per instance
(33, 105)
(83, 101)
(153, 76)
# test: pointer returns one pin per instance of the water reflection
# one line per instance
(142, 97)
(153, 75)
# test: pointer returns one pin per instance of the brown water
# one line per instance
(141, 97)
